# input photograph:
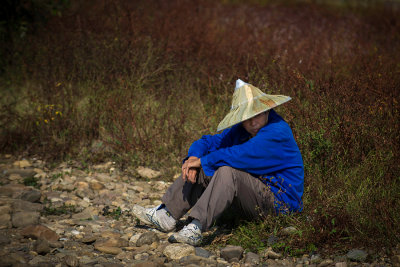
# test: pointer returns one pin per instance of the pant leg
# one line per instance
(181, 196)
(231, 186)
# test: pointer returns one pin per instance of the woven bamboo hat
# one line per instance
(247, 102)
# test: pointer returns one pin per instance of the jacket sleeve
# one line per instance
(208, 143)
(269, 151)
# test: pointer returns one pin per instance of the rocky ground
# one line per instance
(70, 215)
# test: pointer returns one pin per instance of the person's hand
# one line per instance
(190, 168)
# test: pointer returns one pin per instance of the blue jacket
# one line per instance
(272, 155)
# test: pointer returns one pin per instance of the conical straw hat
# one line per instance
(247, 102)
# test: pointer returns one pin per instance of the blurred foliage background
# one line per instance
(138, 81)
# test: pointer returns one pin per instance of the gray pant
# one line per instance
(210, 196)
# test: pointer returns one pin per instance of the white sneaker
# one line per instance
(190, 234)
(161, 220)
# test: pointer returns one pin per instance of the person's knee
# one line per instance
(225, 171)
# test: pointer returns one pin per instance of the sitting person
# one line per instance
(254, 165)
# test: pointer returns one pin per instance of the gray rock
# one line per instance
(201, 252)
(147, 238)
(252, 259)
(31, 196)
(231, 252)
(25, 218)
(357, 255)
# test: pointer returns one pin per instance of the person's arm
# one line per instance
(204, 146)
(272, 149)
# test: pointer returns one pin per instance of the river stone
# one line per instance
(13, 259)
(177, 251)
(103, 166)
(325, 263)
(96, 185)
(24, 173)
(147, 173)
(252, 259)
(270, 254)
(38, 261)
(88, 213)
(395, 260)
(4, 240)
(71, 260)
(148, 264)
(289, 230)
(25, 218)
(147, 239)
(15, 177)
(5, 221)
(109, 250)
(40, 232)
(357, 255)
(111, 242)
(22, 205)
(232, 252)
(42, 247)
(31, 196)
(193, 260)
(315, 259)
(201, 252)
(341, 264)
(22, 163)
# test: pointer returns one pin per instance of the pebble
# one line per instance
(90, 237)
(177, 251)
(109, 250)
(25, 218)
(357, 255)
(232, 252)
(147, 239)
(252, 259)
(147, 173)
(40, 232)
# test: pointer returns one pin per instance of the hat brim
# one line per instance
(248, 110)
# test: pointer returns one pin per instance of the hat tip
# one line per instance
(239, 83)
